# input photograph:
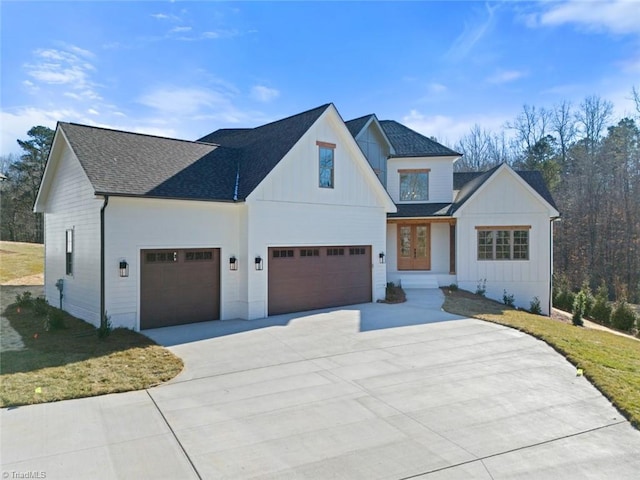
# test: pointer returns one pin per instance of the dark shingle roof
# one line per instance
(125, 163)
(261, 148)
(408, 143)
(421, 210)
(355, 126)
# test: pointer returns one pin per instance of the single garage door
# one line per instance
(306, 278)
(179, 286)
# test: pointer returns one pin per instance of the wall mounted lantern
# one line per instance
(233, 263)
(124, 268)
(258, 262)
(381, 257)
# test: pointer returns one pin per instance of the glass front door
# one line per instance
(414, 246)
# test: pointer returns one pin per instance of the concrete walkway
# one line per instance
(366, 392)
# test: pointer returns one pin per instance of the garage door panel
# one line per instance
(179, 286)
(318, 277)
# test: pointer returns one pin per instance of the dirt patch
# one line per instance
(29, 280)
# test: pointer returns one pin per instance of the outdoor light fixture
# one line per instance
(124, 268)
(258, 262)
(233, 263)
(381, 257)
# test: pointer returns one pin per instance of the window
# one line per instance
(69, 252)
(414, 185)
(503, 243)
(198, 256)
(310, 252)
(357, 251)
(162, 257)
(283, 254)
(326, 164)
(335, 251)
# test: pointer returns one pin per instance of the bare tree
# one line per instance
(563, 124)
(531, 125)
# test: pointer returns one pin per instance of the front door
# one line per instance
(414, 246)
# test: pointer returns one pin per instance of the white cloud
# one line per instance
(15, 125)
(436, 88)
(472, 33)
(180, 29)
(264, 94)
(93, 111)
(172, 101)
(448, 130)
(63, 67)
(505, 76)
(615, 16)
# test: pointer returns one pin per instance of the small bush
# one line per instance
(535, 307)
(24, 300)
(40, 307)
(589, 301)
(55, 319)
(394, 293)
(623, 317)
(481, 288)
(508, 299)
(578, 308)
(601, 310)
(105, 328)
(564, 300)
(453, 287)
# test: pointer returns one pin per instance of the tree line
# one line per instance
(591, 163)
(19, 186)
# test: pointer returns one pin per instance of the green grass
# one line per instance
(611, 362)
(74, 362)
(20, 260)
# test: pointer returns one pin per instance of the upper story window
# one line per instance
(414, 185)
(326, 164)
(503, 243)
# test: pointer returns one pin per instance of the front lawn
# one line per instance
(73, 362)
(610, 362)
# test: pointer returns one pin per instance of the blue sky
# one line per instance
(184, 69)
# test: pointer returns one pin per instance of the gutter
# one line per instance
(102, 280)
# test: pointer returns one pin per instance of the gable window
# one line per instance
(326, 164)
(503, 243)
(414, 185)
(69, 252)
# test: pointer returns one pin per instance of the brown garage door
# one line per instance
(306, 278)
(179, 286)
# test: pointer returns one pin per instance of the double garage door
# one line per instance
(179, 286)
(306, 278)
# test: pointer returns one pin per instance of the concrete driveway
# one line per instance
(367, 392)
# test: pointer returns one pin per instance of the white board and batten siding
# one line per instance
(504, 201)
(376, 149)
(136, 224)
(72, 205)
(440, 177)
(290, 209)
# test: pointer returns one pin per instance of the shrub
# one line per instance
(623, 317)
(24, 300)
(601, 310)
(453, 287)
(508, 299)
(481, 288)
(55, 319)
(579, 304)
(104, 330)
(40, 307)
(589, 301)
(535, 307)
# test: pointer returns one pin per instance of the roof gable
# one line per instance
(409, 143)
(475, 182)
(260, 149)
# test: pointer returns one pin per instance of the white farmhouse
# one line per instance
(303, 213)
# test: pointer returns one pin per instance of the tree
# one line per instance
(20, 189)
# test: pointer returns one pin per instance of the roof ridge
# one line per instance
(321, 107)
(117, 130)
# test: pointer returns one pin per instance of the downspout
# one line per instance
(553, 219)
(102, 282)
